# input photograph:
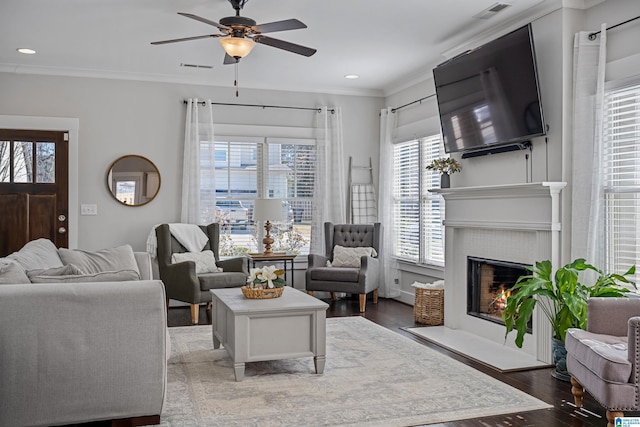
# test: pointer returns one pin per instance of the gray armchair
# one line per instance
(180, 279)
(350, 280)
(605, 359)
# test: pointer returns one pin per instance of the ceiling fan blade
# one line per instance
(205, 20)
(272, 27)
(228, 59)
(184, 39)
(281, 44)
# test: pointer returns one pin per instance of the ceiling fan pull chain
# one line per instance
(235, 82)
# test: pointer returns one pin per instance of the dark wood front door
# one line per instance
(34, 195)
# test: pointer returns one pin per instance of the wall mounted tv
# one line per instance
(489, 97)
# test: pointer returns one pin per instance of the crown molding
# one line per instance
(581, 4)
(173, 79)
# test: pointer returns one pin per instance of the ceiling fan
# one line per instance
(240, 34)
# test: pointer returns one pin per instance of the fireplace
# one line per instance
(520, 223)
(488, 284)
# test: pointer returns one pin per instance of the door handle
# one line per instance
(62, 230)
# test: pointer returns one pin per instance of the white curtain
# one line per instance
(587, 208)
(388, 288)
(329, 201)
(198, 127)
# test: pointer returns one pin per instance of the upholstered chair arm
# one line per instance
(609, 316)
(181, 281)
(237, 264)
(634, 350)
(317, 261)
(143, 259)
(369, 269)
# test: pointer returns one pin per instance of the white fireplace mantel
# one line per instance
(513, 222)
(529, 206)
(504, 190)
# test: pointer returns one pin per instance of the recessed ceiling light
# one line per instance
(26, 51)
(351, 76)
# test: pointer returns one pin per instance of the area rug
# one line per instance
(373, 377)
(494, 355)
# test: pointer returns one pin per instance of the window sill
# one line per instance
(425, 269)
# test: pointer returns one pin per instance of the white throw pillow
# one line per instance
(205, 261)
(112, 259)
(104, 276)
(38, 254)
(12, 273)
(350, 257)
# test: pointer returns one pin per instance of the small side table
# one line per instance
(276, 256)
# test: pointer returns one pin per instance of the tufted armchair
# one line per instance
(360, 279)
(605, 359)
(180, 279)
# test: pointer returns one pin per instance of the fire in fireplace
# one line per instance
(488, 284)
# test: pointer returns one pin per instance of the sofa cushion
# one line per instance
(335, 274)
(221, 280)
(205, 261)
(39, 254)
(113, 259)
(605, 355)
(65, 270)
(350, 257)
(12, 273)
(104, 276)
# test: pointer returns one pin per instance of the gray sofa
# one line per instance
(81, 347)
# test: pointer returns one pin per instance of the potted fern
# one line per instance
(562, 299)
(446, 166)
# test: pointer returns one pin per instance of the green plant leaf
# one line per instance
(524, 314)
(564, 301)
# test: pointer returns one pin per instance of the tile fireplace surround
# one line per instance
(517, 223)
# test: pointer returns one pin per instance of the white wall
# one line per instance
(553, 39)
(623, 50)
(118, 117)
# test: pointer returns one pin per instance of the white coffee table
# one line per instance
(252, 330)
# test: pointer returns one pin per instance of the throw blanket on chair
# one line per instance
(363, 204)
(189, 235)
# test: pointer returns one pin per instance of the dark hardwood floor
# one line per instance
(538, 383)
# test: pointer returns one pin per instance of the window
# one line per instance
(621, 154)
(247, 168)
(418, 214)
(21, 168)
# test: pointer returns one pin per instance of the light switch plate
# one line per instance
(88, 209)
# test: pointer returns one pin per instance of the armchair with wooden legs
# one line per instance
(604, 360)
(180, 279)
(359, 279)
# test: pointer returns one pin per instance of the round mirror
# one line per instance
(133, 180)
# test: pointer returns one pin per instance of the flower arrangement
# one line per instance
(446, 165)
(266, 278)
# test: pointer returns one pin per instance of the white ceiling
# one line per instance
(389, 43)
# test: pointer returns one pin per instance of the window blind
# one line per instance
(419, 234)
(234, 171)
(621, 174)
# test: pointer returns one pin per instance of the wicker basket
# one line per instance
(428, 308)
(261, 293)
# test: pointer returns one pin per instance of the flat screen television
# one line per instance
(490, 97)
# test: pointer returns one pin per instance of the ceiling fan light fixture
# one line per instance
(237, 47)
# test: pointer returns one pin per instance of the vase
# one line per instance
(445, 180)
(559, 353)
